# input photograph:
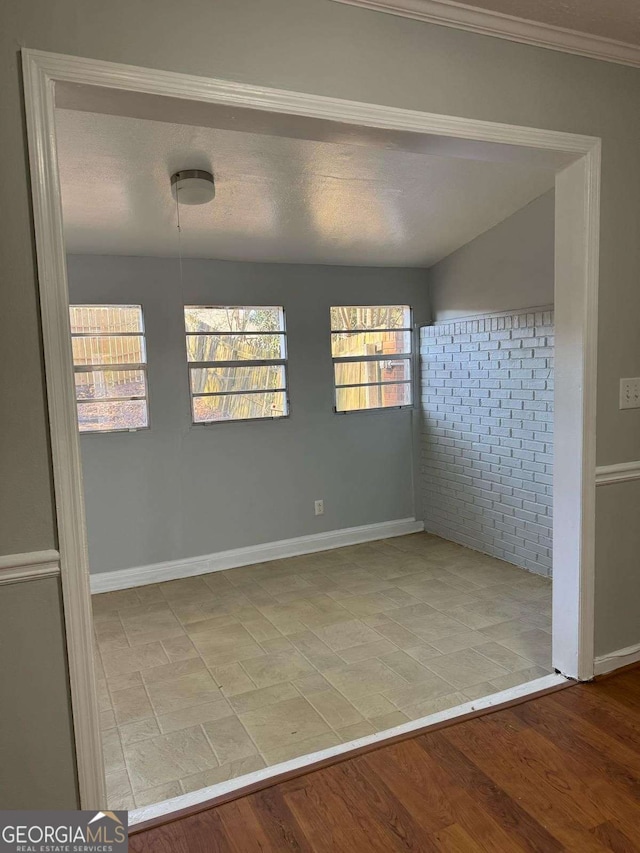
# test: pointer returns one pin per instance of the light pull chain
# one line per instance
(179, 239)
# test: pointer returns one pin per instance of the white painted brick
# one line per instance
(487, 451)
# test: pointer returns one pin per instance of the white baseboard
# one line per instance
(616, 660)
(156, 572)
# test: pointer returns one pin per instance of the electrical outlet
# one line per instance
(630, 393)
(319, 507)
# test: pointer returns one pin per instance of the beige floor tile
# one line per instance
(171, 671)
(335, 709)
(261, 629)
(364, 677)
(315, 650)
(520, 677)
(374, 705)
(479, 691)
(190, 612)
(311, 684)
(405, 695)
(427, 623)
(131, 704)
(180, 693)
(388, 721)
(188, 717)
(233, 770)
(124, 661)
(157, 794)
(217, 634)
(229, 739)
(305, 747)
(272, 669)
(112, 751)
(423, 653)
(276, 585)
(399, 636)
(466, 667)
(456, 642)
(121, 682)
(185, 588)
(503, 656)
(355, 731)
(534, 645)
(278, 644)
(366, 605)
(483, 614)
(406, 666)
(148, 623)
(367, 650)
(253, 700)
(434, 705)
(232, 679)
(97, 663)
(107, 720)
(119, 794)
(139, 730)
(168, 757)
(232, 654)
(343, 635)
(362, 637)
(276, 726)
(111, 635)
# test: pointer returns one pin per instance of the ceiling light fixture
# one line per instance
(193, 186)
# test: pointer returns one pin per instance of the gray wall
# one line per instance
(178, 490)
(336, 50)
(509, 267)
(37, 764)
(487, 435)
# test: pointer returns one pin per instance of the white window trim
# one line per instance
(90, 368)
(264, 362)
(406, 356)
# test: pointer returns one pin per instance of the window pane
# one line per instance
(234, 347)
(99, 384)
(359, 372)
(234, 319)
(110, 349)
(255, 378)
(105, 319)
(103, 417)
(372, 397)
(233, 407)
(353, 317)
(369, 343)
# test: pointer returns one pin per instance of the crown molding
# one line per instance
(448, 13)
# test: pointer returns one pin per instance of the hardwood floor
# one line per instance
(561, 772)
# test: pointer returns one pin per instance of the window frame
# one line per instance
(410, 357)
(90, 368)
(195, 365)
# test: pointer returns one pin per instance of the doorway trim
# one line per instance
(577, 256)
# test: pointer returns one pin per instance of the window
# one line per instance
(237, 363)
(109, 358)
(371, 349)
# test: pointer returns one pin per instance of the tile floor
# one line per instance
(211, 677)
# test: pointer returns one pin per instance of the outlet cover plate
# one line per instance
(630, 393)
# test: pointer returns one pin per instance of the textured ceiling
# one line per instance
(285, 200)
(614, 19)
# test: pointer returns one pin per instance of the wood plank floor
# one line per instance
(561, 772)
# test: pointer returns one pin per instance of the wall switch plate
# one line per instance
(630, 393)
(319, 507)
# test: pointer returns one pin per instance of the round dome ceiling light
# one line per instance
(193, 186)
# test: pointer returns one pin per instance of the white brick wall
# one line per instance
(487, 435)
